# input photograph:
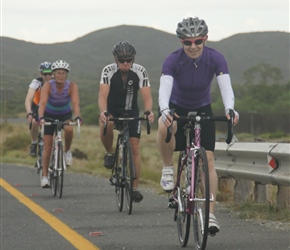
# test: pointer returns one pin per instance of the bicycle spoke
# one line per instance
(60, 170)
(201, 200)
(52, 174)
(182, 216)
(128, 176)
(119, 188)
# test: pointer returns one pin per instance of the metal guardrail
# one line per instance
(267, 163)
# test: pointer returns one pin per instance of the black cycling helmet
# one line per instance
(191, 27)
(45, 67)
(124, 50)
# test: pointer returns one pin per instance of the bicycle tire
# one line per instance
(181, 214)
(128, 176)
(38, 161)
(52, 173)
(201, 200)
(60, 170)
(119, 187)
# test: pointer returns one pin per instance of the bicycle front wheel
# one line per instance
(52, 173)
(201, 200)
(117, 175)
(60, 170)
(181, 214)
(129, 175)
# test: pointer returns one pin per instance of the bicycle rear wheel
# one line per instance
(117, 173)
(181, 215)
(201, 200)
(60, 170)
(129, 175)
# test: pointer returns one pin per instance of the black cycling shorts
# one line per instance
(207, 128)
(49, 130)
(134, 126)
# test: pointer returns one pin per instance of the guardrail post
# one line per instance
(263, 193)
(244, 191)
(226, 189)
(283, 197)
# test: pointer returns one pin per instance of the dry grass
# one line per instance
(89, 143)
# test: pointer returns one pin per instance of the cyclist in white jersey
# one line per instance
(32, 102)
(185, 85)
(118, 94)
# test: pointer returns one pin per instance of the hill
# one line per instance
(87, 56)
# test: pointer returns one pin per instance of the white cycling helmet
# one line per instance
(191, 27)
(60, 64)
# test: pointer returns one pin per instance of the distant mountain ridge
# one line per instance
(87, 55)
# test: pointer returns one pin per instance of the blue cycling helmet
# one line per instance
(45, 67)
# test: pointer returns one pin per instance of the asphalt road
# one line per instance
(31, 218)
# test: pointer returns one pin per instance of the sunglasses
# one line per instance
(46, 74)
(129, 60)
(190, 42)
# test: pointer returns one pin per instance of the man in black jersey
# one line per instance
(118, 94)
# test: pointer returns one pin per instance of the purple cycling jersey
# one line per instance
(192, 78)
(58, 103)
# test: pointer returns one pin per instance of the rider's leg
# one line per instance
(213, 179)
(34, 131)
(68, 137)
(135, 146)
(47, 146)
(107, 139)
(166, 149)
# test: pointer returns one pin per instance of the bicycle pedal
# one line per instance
(172, 204)
(112, 179)
(175, 217)
(112, 183)
(212, 231)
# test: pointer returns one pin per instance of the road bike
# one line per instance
(123, 172)
(37, 163)
(57, 164)
(191, 195)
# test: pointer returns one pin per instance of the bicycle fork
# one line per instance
(57, 140)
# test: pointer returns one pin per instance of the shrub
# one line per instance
(16, 142)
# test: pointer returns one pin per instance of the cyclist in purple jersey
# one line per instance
(56, 99)
(185, 85)
(118, 93)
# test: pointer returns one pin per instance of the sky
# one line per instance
(55, 21)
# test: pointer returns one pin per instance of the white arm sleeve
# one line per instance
(165, 88)
(226, 90)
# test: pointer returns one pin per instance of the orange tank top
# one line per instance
(36, 97)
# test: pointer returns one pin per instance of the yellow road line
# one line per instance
(72, 236)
